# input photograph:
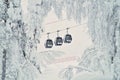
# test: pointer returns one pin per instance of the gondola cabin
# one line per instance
(58, 41)
(49, 43)
(68, 38)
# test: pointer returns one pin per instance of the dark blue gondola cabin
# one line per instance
(68, 38)
(58, 41)
(49, 43)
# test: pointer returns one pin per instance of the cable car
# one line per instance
(58, 41)
(49, 43)
(68, 38)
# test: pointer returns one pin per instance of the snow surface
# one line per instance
(21, 28)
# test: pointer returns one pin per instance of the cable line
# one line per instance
(64, 29)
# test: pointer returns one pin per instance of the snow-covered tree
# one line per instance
(20, 34)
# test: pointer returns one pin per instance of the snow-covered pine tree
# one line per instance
(19, 38)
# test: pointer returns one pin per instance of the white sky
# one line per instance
(81, 37)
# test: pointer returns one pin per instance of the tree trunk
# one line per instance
(4, 65)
